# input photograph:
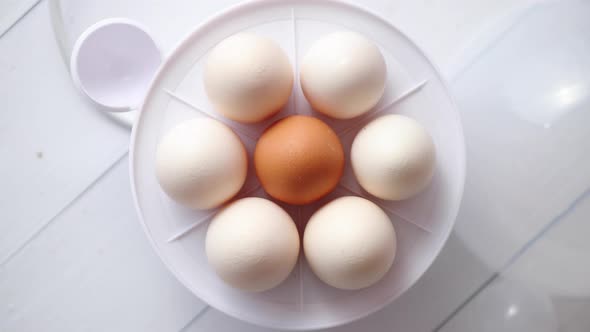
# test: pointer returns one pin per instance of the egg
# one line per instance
(201, 163)
(299, 159)
(393, 157)
(349, 243)
(248, 78)
(252, 244)
(343, 75)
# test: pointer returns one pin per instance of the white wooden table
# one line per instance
(73, 256)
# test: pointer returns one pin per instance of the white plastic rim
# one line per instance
(422, 223)
(113, 63)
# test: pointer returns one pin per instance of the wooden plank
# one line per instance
(93, 269)
(544, 289)
(11, 11)
(53, 143)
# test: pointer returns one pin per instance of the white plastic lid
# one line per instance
(113, 63)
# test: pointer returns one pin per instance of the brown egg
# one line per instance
(299, 159)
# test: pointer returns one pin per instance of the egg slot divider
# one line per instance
(178, 233)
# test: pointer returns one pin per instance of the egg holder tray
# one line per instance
(422, 223)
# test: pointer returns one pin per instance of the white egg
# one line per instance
(252, 244)
(248, 78)
(393, 157)
(201, 163)
(343, 75)
(350, 243)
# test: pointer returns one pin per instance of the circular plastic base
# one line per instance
(414, 88)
